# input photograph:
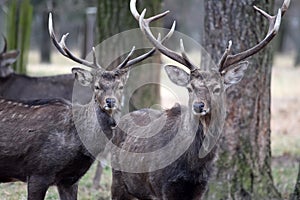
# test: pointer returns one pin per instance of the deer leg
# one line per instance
(118, 188)
(98, 174)
(67, 192)
(37, 187)
(183, 190)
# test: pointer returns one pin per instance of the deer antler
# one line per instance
(5, 45)
(127, 62)
(5, 56)
(144, 26)
(63, 49)
(228, 60)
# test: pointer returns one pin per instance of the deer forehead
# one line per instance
(200, 78)
(106, 78)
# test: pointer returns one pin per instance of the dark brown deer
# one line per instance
(197, 126)
(22, 87)
(52, 142)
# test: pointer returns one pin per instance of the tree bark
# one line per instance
(243, 170)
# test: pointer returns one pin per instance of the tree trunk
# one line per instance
(45, 43)
(243, 170)
(115, 17)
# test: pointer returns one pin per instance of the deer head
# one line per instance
(203, 86)
(107, 86)
(6, 60)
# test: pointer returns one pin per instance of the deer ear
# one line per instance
(84, 77)
(235, 74)
(177, 75)
(8, 58)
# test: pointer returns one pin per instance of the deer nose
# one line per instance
(110, 102)
(198, 107)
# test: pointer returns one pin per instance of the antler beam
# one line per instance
(63, 49)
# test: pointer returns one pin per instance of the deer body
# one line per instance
(22, 87)
(185, 178)
(45, 154)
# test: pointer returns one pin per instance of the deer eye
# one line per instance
(216, 90)
(121, 87)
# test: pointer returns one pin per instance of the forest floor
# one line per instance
(285, 126)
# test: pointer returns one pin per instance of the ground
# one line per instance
(285, 126)
(285, 123)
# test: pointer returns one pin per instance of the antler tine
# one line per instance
(152, 51)
(95, 58)
(226, 53)
(144, 25)
(63, 49)
(185, 57)
(285, 6)
(137, 15)
(5, 45)
(127, 59)
(274, 24)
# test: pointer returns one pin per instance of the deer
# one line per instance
(53, 142)
(16, 86)
(138, 172)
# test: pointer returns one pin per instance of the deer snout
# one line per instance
(110, 103)
(199, 108)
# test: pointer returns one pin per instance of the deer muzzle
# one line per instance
(199, 108)
(110, 104)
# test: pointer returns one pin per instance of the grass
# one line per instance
(17, 191)
(285, 124)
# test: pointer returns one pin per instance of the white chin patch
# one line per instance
(203, 113)
(109, 109)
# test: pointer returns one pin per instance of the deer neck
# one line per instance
(94, 127)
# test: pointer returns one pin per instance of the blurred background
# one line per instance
(25, 26)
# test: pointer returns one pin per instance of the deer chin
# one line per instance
(109, 110)
(201, 114)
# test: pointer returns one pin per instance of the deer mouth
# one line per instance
(108, 108)
(201, 113)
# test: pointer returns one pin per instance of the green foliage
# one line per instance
(19, 30)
